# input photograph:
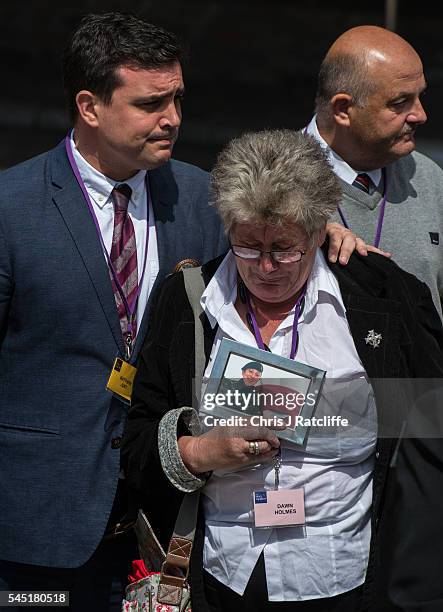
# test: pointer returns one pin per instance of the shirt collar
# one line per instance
(321, 280)
(100, 186)
(222, 290)
(340, 167)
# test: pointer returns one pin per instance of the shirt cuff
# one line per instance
(172, 463)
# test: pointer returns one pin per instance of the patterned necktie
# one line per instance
(124, 255)
(363, 182)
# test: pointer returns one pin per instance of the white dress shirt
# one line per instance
(99, 188)
(329, 555)
(340, 167)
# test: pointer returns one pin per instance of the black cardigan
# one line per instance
(377, 295)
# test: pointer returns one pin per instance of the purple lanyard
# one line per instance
(257, 334)
(381, 214)
(130, 308)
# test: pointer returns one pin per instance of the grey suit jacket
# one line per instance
(59, 335)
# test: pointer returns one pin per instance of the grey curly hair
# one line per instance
(274, 177)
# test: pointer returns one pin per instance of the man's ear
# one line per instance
(340, 105)
(86, 105)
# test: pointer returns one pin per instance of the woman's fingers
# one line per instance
(261, 433)
(257, 447)
(246, 432)
(228, 447)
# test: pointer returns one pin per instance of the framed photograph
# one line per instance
(266, 388)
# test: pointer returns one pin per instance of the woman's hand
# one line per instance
(227, 448)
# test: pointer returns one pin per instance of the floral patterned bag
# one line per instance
(165, 589)
(141, 596)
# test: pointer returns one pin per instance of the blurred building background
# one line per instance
(252, 65)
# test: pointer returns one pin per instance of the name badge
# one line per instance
(121, 380)
(279, 508)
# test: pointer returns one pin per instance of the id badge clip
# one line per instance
(121, 380)
(279, 508)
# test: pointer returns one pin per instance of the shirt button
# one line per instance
(116, 442)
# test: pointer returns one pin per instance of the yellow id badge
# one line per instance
(121, 380)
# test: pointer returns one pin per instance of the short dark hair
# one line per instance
(253, 365)
(102, 43)
(343, 73)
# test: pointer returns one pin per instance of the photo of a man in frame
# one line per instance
(245, 389)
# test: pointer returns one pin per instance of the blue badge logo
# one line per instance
(261, 497)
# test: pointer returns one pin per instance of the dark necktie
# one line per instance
(124, 255)
(363, 182)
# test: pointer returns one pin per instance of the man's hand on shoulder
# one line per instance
(343, 242)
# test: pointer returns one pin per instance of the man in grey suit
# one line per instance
(87, 230)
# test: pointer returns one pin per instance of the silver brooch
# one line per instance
(373, 338)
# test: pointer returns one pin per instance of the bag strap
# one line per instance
(179, 552)
(195, 286)
(171, 583)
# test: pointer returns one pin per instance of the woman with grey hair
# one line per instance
(275, 289)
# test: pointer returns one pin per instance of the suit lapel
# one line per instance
(70, 202)
(164, 196)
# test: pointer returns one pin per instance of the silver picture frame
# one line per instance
(228, 392)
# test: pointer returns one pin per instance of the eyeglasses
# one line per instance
(278, 256)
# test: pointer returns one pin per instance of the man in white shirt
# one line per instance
(368, 106)
(87, 230)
